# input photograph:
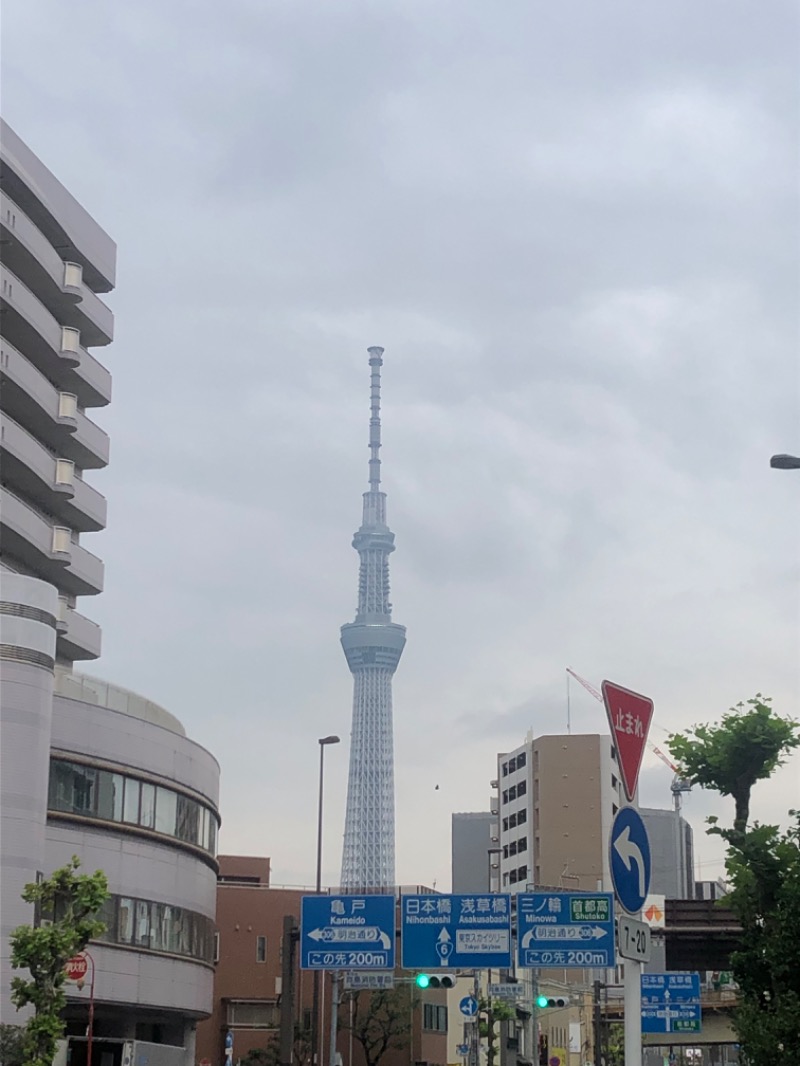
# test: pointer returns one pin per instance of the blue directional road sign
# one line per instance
(671, 1003)
(347, 933)
(629, 852)
(468, 1006)
(565, 929)
(449, 932)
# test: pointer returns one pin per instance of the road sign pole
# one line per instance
(475, 1044)
(633, 1013)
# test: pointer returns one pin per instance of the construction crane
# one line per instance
(679, 784)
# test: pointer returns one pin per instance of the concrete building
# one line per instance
(56, 259)
(556, 798)
(672, 851)
(248, 990)
(474, 849)
(88, 768)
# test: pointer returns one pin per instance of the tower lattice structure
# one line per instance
(373, 644)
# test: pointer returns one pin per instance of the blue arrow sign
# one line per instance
(448, 932)
(629, 854)
(347, 933)
(468, 1006)
(565, 929)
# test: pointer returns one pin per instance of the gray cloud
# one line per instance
(574, 229)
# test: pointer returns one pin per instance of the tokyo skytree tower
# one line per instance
(373, 644)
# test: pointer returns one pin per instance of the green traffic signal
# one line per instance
(423, 980)
(541, 1001)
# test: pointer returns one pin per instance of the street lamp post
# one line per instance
(315, 1033)
(785, 462)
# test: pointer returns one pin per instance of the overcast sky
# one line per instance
(574, 228)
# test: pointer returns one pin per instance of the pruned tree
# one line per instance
(745, 747)
(763, 865)
(381, 1021)
(490, 1013)
(71, 901)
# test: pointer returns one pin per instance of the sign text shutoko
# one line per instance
(449, 932)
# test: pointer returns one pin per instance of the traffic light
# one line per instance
(435, 980)
(543, 1002)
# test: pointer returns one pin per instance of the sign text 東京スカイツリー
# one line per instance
(442, 932)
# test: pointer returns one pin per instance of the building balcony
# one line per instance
(53, 348)
(52, 416)
(47, 548)
(77, 638)
(58, 284)
(48, 480)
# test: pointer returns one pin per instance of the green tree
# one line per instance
(763, 867)
(72, 900)
(490, 1013)
(381, 1021)
(745, 747)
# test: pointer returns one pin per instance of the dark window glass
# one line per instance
(505, 769)
(522, 873)
(522, 844)
(522, 788)
(522, 817)
(109, 795)
(187, 815)
(505, 825)
(147, 814)
(512, 765)
(261, 949)
(142, 927)
(125, 919)
(512, 821)
(521, 759)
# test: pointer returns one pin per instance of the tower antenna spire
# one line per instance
(375, 362)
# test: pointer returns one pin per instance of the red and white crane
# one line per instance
(679, 784)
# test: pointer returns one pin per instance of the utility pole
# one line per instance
(598, 1025)
(286, 1033)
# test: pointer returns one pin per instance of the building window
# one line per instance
(522, 873)
(512, 848)
(505, 851)
(434, 1017)
(505, 825)
(614, 782)
(505, 769)
(521, 760)
(261, 949)
(112, 797)
(522, 788)
(216, 947)
(522, 817)
(512, 877)
(505, 796)
(522, 844)
(512, 765)
(252, 1014)
(512, 821)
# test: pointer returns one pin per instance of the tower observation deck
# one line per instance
(373, 644)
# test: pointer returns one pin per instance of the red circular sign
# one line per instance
(77, 968)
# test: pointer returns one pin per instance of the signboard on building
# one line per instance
(565, 929)
(456, 932)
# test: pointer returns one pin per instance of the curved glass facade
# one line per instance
(145, 923)
(76, 788)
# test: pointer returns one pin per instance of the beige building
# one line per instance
(555, 799)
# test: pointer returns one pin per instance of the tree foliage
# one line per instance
(270, 1054)
(11, 1050)
(763, 867)
(490, 1012)
(381, 1021)
(71, 901)
(745, 747)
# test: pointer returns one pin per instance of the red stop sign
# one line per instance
(76, 968)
